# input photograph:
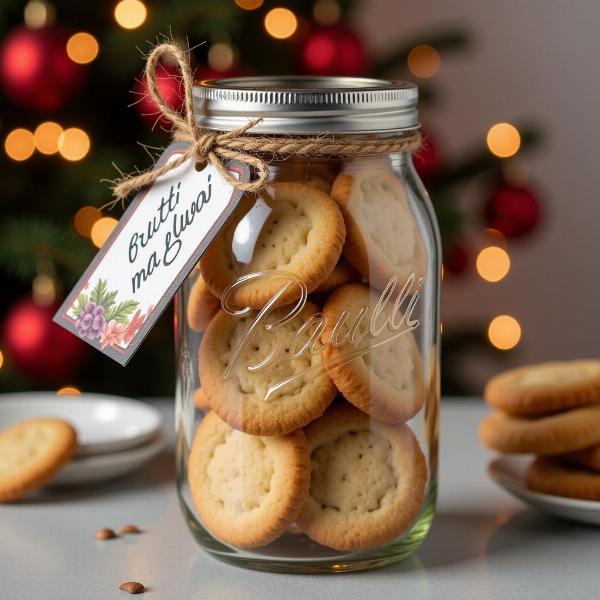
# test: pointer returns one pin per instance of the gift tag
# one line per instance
(160, 237)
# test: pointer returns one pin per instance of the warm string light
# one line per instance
(504, 332)
(43, 288)
(493, 263)
(73, 144)
(101, 229)
(130, 14)
(503, 140)
(84, 220)
(424, 61)
(82, 48)
(326, 12)
(19, 144)
(68, 390)
(1, 359)
(280, 23)
(46, 137)
(249, 4)
(38, 14)
(221, 56)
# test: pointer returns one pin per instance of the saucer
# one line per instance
(509, 473)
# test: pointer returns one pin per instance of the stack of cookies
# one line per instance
(551, 410)
(306, 403)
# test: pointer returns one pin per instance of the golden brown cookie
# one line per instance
(200, 400)
(550, 476)
(202, 305)
(341, 274)
(552, 434)
(367, 482)
(31, 452)
(292, 229)
(290, 389)
(247, 489)
(382, 374)
(588, 458)
(382, 236)
(545, 388)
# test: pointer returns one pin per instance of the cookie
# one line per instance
(341, 274)
(291, 228)
(383, 374)
(550, 476)
(31, 452)
(247, 489)
(367, 480)
(546, 387)
(382, 236)
(553, 434)
(588, 458)
(200, 400)
(202, 305)
(286, 392)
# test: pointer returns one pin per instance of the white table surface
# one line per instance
(483, 543)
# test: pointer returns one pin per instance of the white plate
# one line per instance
(509, 473)
(103, 423)
(94, 469)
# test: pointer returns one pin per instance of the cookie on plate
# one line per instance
(247, 489)
(367, 480)
(383, 374)
(588, 458)
(291, 230)
(545, 388)
(382, 237)
(258, 379)
(202, 305)
(549, 435)
(31, 452)
(550, 476)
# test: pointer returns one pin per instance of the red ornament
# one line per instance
(170, 87)
(513, 210)
(35, 71)
(38, 347)
(427, 160)
(456, 259)
(334, 50)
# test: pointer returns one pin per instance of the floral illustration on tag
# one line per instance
(100, 317)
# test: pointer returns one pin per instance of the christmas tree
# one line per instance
(75, 105)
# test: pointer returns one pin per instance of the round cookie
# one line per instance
(202, 305)
(291, 228)
(549, 476)
(545, 388)
(31, 452)
(549, 435)
(387, 380)
(247, 490)
(200, 400)
(588, 458)
(382, 237)
(367, 483)
(282, 395)
(341, 274)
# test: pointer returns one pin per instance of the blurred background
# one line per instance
(509, 100)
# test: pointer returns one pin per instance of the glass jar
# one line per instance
(307, 341)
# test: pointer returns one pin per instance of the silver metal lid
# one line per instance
(307, 105)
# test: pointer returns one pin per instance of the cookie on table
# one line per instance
(285, 393)
(31, 452)
(341, 274)
(202, 305)
(550, 476)
(292, 228)
(384, 379)
(588, 458)
(367, 480)
(382, 236)
(545, 388)
(247, 489)
(200, 400)
(550, 435)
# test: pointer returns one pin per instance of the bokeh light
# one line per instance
(38, 14)
(73, 144)
(68, 390)
(503, 140)
(84, 220)
(249, 4)
(45, 137)
(130, 14)
(43, 289)
(504, 332)
(82, 48)
(280, 23)
(101, 229)
(326, 12)
(19, 144)
(1, 359)
(424, 61)
(221, 56)
(493, 263)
